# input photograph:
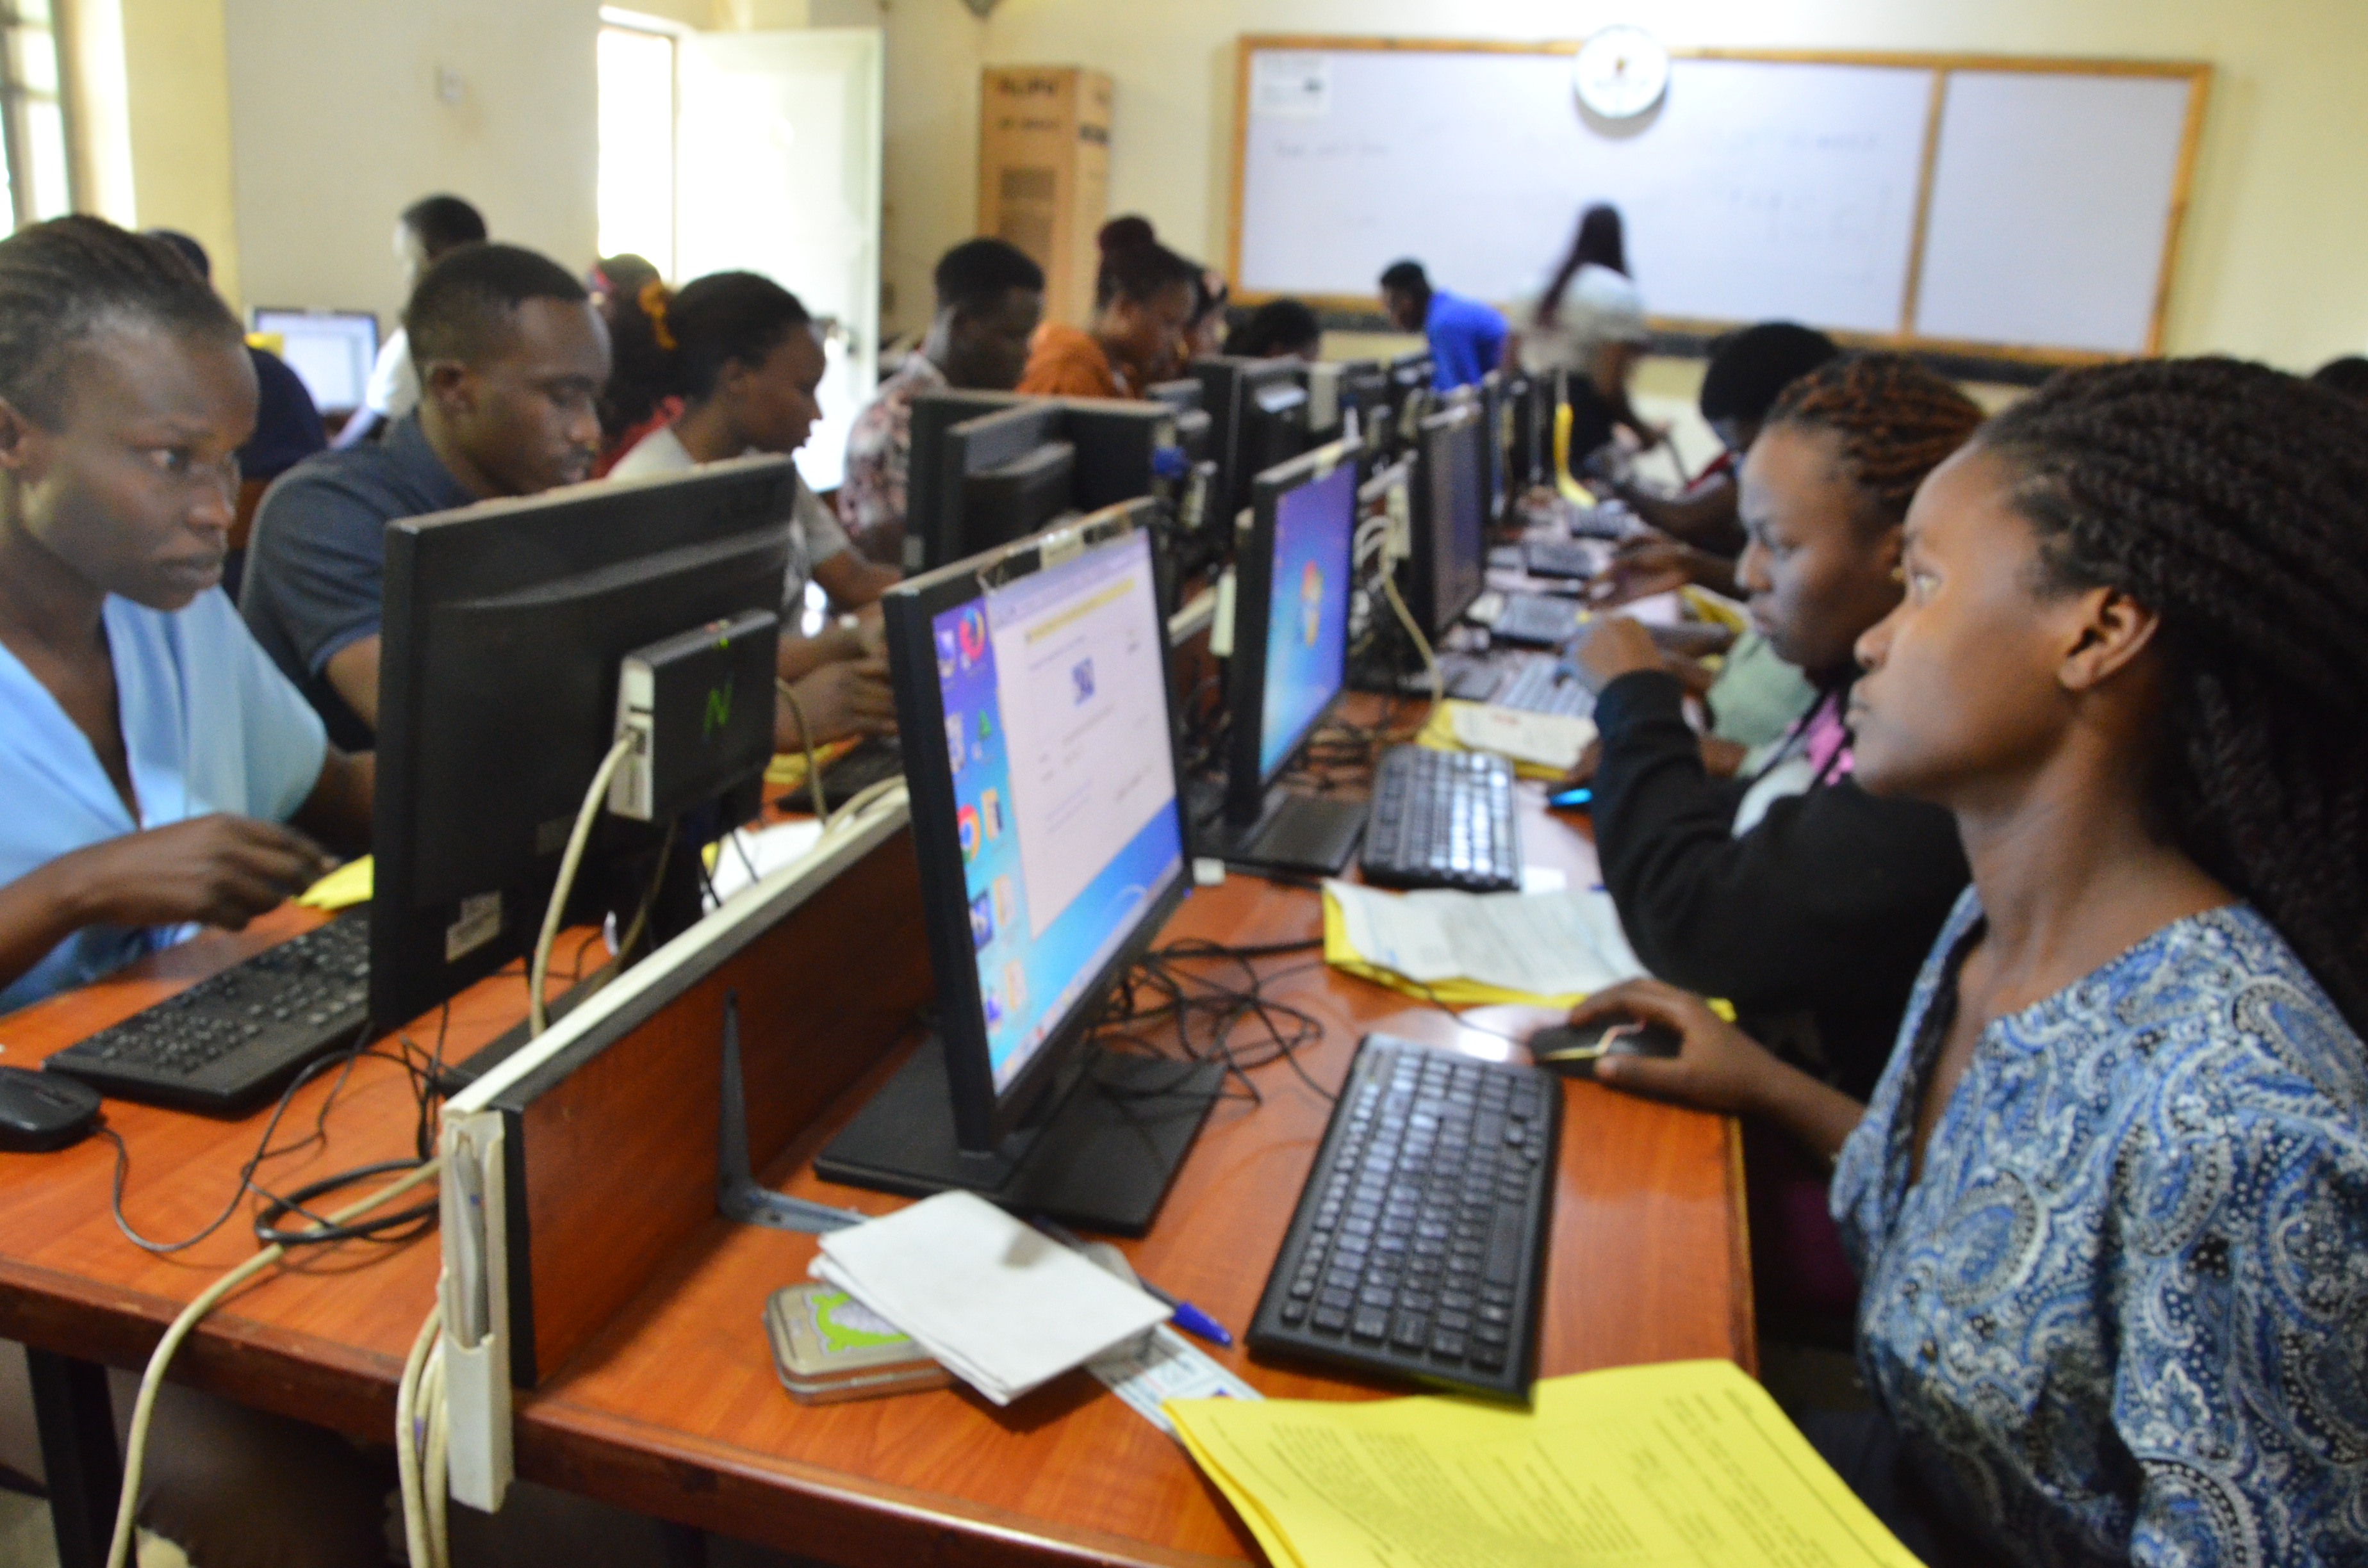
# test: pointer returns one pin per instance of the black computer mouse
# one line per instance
(1572, 1049)
(39, 1111)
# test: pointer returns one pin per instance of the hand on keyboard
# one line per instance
(213, 870)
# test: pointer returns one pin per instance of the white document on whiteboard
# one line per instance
(1550, 944)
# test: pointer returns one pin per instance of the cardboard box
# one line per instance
(1043, 174)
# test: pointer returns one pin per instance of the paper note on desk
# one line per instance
(1686, 1464)
(1544, 945)
(1000, 1304)
(1547, 740)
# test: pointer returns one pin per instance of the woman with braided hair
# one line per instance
(2110, 1200)
(1809, 912)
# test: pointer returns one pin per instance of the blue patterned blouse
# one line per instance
(2128, 1297)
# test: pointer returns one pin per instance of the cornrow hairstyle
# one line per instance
(1897, 421)
(64, 280)
(727, 318)
(1136, 266)
(2231, 500)
(634, 300)
(465, 303)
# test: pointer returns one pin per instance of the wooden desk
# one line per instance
(674, 1409)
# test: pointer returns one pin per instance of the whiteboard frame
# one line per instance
(2196, 74)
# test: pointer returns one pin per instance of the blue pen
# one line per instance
(1189, 1318)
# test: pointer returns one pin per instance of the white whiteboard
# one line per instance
(2051, 204)
(1758, 189)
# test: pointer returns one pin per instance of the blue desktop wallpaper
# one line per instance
(1307, 610)
(1026, 988)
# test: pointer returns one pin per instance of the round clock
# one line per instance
(1621, 72)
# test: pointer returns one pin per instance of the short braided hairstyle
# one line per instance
(2231, 500)
(65, 279)
(1897, 421)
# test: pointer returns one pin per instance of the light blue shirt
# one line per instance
(210, 724)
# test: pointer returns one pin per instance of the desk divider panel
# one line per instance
(612, 1144)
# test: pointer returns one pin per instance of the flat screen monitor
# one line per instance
(1023, 497)
(1291, 616)
(1492, 445)
(504, 631)
(1448, 564)
(933, 474)
(331, 351)
(1180, 394)
(1050, 841)
(964, 452)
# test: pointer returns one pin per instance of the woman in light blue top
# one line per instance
(2109, 1202)
(149, 751)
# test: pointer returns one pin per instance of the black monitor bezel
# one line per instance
(1428, 529)
(1246, 783)
(934, 472)
(983, 1119)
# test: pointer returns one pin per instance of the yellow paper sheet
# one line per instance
(788, 768)
(1446, 993)
(1685, 1463)
(348, 885)
(1438, 733)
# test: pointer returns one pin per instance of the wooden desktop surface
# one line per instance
(674, 1410)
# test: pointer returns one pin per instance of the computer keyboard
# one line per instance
(235, 1037)
(1442, 819)
(1538, 620)
(1548, 686)
(1417, 1249)
(1563, 558)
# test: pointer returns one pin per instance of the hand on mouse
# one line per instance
(1718, 1068)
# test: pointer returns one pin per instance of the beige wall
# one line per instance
(2270, 265)
(336, 125)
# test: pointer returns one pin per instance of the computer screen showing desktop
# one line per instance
(1448, 564)
(1052, 848)
(331, 351)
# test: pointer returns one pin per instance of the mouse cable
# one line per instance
(538, 1013)
(135, 1450)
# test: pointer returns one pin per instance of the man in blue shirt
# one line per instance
(1467, 338)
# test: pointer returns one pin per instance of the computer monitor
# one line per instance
(1491, 446)
(1518, 435)
(504, 627)
(1182, 394)
(937, 526)
(934, 472)
(332, 352)
(1291, 646)
(1017, 498)
(1258, 414)
(1052, 849)
(1448, 564)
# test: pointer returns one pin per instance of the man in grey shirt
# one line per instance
(511, 356)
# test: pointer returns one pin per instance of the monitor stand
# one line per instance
(1099, 1152)
(1313, 834)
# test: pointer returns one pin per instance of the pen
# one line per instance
(1189, 1318)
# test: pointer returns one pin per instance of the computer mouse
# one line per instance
(39, 1111)
(1572, 1049)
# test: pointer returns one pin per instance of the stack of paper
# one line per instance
(1003, 1306)
(1687, 1463)
(1550, 949)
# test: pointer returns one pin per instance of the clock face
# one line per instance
(1621, 72)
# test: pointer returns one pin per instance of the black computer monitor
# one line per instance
(504, 627)
(1257, 414)
(1182, 394)
(937, 528)
(1289, 652)
(1448, 564)
(934, 471)
(1021, 497)
(1518, 435)
(1493, 395)
(1052, 848)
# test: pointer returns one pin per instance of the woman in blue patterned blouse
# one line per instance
(2109, 1202)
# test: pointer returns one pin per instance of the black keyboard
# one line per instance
(1548, 686)
(1563, 558)
(1539, 621)
(1442, 819)
(1419, 1246)
(235, 1037)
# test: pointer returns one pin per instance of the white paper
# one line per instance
(1289, 86)
(744, 859)
(1002, 1305)
(1549, 740)
(1549, 944)
(1167, 1366)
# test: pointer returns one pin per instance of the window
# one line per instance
(33, 116)
(637, 125)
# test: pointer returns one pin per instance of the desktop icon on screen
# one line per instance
(1015, 984)
(994, 1006)
(954, 739)
(945, 652)
(982, 922)
(973, 625)
(990, 814)
(1007, 903)
(1310, 603)
(966, 825)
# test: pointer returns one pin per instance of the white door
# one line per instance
(776, 155)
